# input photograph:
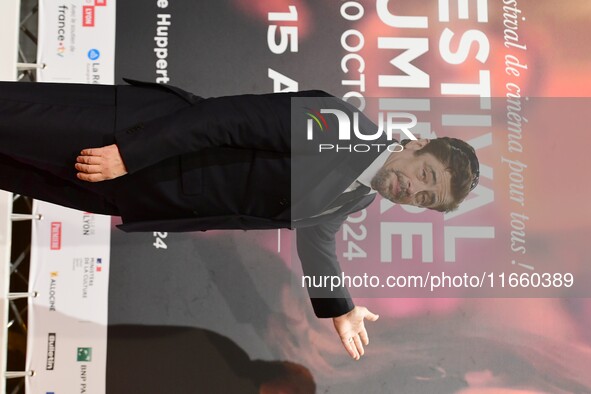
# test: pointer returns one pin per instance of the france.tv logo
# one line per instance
(94, 54)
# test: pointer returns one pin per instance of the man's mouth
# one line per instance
(395, 186)
(398, 187)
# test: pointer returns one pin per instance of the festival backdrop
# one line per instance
(520, 64)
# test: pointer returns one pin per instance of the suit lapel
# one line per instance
(314, 190)
(345, 210)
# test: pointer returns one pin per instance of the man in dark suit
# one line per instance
(176, 162)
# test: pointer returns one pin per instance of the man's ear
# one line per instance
(416, 144)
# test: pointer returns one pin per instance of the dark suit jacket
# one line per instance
(246, 170)
(194, 164)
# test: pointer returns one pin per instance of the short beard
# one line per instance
(380, 180)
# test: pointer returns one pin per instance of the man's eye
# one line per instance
(421, 199)
(430, 200)
(424, 199)
(424, 174)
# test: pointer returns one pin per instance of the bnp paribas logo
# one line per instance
(349, 126)
(84, 354)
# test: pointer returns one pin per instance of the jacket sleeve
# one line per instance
(317, 252)
(260, 122)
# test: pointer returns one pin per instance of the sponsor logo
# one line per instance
(51, 337)
(88, 16)
(83, 378)
(56, 236)
(61, 30)
(84, 354)
(93, 55)
(88, 219)
(88, 275)
(93, 72)
(87, 268)
(52, 285)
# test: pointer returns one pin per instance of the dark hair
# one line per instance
(460, 160)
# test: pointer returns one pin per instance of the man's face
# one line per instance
(419, 180)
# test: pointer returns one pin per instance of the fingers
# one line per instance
(90, 165)
(88, 168)
(89, 159)
(354, 346)
(352, 332)
(90, 177)
(364, 337)
(363, 333)
(349, 345)
(92, 152)
(359, 346)
(371, 316)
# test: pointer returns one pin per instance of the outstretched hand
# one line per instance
(352, 331)
(100, 164)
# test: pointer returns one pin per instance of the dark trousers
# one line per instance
(44, 126)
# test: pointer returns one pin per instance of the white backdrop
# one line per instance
(77, 41)
(9, 29)
(67, 337)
